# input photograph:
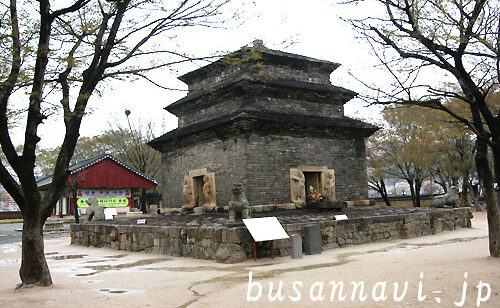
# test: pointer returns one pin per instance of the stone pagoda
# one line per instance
(270, 120)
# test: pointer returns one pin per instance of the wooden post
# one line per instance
(60, 208)
(254, 250)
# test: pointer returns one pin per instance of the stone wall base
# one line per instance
(202, 242)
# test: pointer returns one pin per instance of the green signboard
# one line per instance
(105, 202)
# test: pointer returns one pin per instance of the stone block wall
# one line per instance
(215, 110)
(269, 159)
(329, 109)
(262, 163)
(404, 201)
(259, 70)
(325, 107)
(202, 241)
(222, 156)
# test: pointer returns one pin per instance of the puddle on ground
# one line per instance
(8, 248)
(103, 268)
(66, 257)
(395, 250)
(187, 304)
(98, 261)
(123, 255)
(4, 262)
(113, 291)
(195, 293)
(192, 269)
(399, 248)
(452, 241)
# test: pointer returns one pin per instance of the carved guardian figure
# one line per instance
(238, 203)
(187, 192)
(209, 193)
(298, 186)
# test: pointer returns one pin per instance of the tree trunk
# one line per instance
(495, 149)
(474, 198)
(418, 185)
(34, 269)
(443, 185)
(441, 181)
(384, 195)
(75, 204)
(464, 196)
(142, 201)
(379, 186)
(492, 208)
(415, 202)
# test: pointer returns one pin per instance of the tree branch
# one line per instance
(91, 77)
(73, 8)
(467, 33)
(6, 89)
(11, 186)
(63, 80)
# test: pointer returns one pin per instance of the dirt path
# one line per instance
(96, 277)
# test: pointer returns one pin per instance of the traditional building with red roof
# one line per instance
(104, 177)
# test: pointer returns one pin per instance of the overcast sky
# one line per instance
(311, 28)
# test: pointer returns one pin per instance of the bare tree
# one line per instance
(457, 40)
(70, 52)
(127, 143)
(377, 167)
(402, 147)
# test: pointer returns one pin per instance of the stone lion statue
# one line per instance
(450, 199)
(94, 211)
(238, 204)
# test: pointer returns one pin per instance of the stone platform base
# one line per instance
(53, 226)
(360, 203)
(201, 236)
(327, 205)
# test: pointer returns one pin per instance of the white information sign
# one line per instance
(340, 217)
(109, 213)
(265, 229)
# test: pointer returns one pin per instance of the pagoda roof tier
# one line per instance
(322, 93)
(258, 53)
(263, 122)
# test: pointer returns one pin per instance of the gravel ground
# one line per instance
(433, 266)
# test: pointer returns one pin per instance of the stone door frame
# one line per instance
(192, 174)
(327, 183)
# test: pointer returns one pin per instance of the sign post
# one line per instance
(265, 229)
